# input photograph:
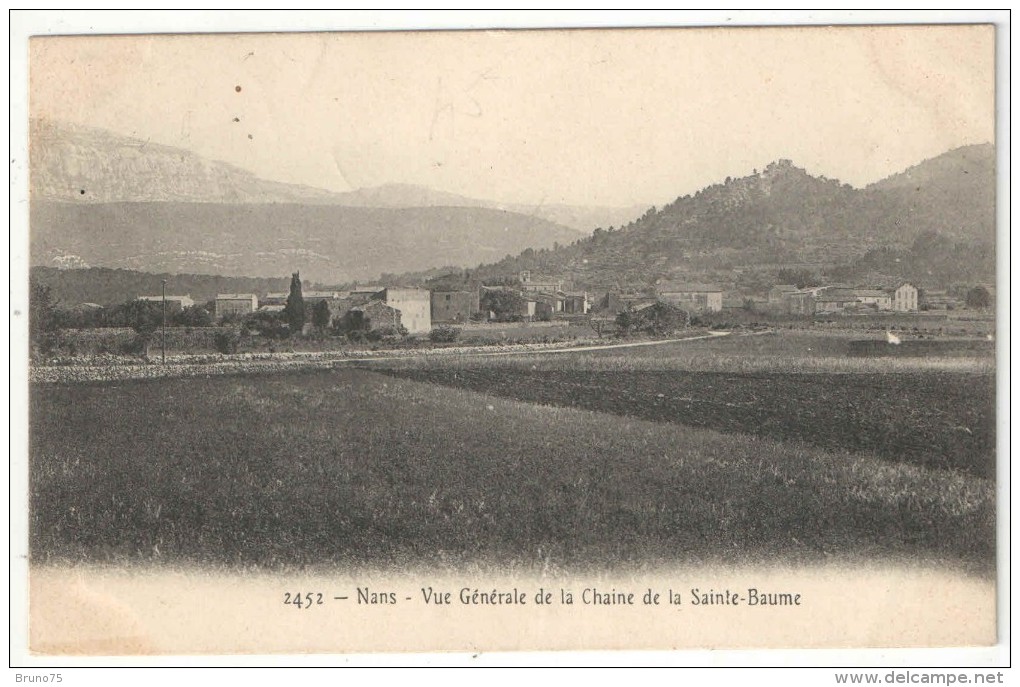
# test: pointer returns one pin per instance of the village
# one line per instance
(533, 298)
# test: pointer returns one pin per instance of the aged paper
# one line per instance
(556, 489)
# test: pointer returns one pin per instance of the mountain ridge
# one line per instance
(783, 216)
(80, 164)
(779, 215)
(326, 242)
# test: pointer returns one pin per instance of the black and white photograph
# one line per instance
(574, 339)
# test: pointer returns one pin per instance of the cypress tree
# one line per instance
(294, 311)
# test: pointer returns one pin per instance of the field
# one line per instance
(931, 420)
(531, 463)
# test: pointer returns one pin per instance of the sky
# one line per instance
(594, 117)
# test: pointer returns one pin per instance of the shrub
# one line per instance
(658, 319)
(267, 324)
(444, 334)
(136, 345)
(321, 315)
(192, 316)
(227, 340)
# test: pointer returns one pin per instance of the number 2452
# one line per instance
(306, 600)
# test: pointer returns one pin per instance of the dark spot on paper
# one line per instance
(17, 313)
(236, 119)
(82, 192)
(250, 137)
(237, 89)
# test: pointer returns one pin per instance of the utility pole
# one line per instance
(164, 322)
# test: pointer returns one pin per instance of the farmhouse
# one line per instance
(550, 303)
(699, 297)
(454, 305)
(547, 284)
(576, 303)
(614, 303)
(904, 298)
(528, 309)
(834, 300)
(414, 306)
(878, 298)
(372, 315)
(276, 298)
(827, 300)
(173, 303)
(236, 304)
(313, 297)
(365, 290)
(800, 303)
(310, 298)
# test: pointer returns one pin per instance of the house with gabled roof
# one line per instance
(173, 303)
(528, 282)
(414, 306)
(834, 300)
(697, 297)
(236, 304)
(878, 298)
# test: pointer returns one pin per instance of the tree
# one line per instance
(42, 314)
(321, 315)
(599, 323)
(658, 319)
(294, 311)
(802, 279)
(267, 324)
(978, 297)
(503, 304)
(145, 317)
(193, 316)
(626, 321)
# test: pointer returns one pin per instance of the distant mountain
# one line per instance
(77, 164)
(969, 167)
(154, 208)
(782, 217)
(405, 196)
(584, 218)
(104, 286)
(953, 194)
(100, 199)
(325, 242)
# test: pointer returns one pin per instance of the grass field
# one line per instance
(354, 467)
(928, 419)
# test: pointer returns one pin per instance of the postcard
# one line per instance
(661, 338)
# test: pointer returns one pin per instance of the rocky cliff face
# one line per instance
(81, 165)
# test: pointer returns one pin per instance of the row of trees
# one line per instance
(46, 317)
